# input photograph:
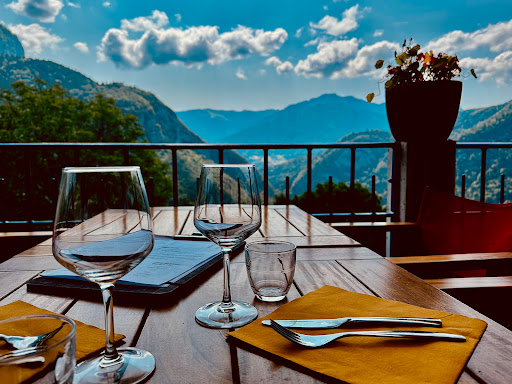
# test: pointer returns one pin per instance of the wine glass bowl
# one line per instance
(102, 230)
(227, 211)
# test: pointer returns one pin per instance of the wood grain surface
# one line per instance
(188, 353)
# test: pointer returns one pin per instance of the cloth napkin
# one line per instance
(89, 339)
(364, 360)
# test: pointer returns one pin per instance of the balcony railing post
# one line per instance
(483, 168)
(310, 168)
(330, 200)
(265, 176)
(174, 177)
(287, 190)
(352, 177)
(502, 191)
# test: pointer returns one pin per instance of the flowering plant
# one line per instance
(414, 66)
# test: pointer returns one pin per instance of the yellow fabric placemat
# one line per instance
(364, 360)
(89, 339)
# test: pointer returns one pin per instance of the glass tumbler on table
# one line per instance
(53, 361)
(103, 229)
(227, 211)
(270, 267)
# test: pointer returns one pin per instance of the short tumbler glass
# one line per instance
(54, 362)
(270, 266)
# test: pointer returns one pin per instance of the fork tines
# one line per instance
(285, 332)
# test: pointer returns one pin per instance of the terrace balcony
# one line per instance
(387, 232)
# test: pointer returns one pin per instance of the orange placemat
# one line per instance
(364, 360)
(89, 339)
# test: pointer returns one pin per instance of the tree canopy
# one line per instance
(42, 113)
(340, 199)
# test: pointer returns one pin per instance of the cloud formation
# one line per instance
(240, 74)
(161, 44)
(44, 11)
(35, 38)
(280, 67)
(329, 58)
(334, 27)
(363, 63)
(496, 37)
(82, 47)
(498, 69)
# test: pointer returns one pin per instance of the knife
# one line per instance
(335, 323)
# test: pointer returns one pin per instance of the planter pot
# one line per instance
(424, 111)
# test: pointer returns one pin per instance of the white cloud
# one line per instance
(328, 60)
(44, 11)
(177, 16)
(74, 5)
(298, 32)
(35, 38)
(334, 27)
(378, 33)
(107, 4)
(160, 44)
(281, 67)
(498, 69)
(364, 61)
(157, 20)
(497, 37)
(241, 74)
(82, 47)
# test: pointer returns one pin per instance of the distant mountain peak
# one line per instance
(10, 44)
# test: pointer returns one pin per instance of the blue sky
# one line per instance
(262, 54)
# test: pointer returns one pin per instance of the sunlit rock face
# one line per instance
(10, 44)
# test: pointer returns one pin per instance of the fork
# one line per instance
(24, 342)
(320, 340)
(23, 356)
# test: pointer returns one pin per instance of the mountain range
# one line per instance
(325, 119)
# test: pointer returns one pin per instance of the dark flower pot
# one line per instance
(424, 111)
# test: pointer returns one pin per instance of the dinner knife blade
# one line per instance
(334, 323)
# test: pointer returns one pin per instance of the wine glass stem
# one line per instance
(226, 299)
(111, 354)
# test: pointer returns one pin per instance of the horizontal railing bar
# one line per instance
(483, 145)
(384, 214)
(192, 145)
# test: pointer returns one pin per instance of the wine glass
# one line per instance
(103, 229)
(227, 211)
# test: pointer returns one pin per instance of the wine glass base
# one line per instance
(213, 315)
(135, 366)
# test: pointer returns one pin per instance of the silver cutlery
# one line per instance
(335, 323)
(24, 342)
(23, 356)
(320, 340)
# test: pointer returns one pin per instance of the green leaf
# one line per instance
(389, 84)
(369, 97)
(379, 64)
(440, 62)
(473, 73)
(402, 58)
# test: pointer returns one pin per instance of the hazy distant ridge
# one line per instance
(324, 119)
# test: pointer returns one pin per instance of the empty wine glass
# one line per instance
(102, 230)
(227, 211)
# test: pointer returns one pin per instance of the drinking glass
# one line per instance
(102, 230)
(227, 211)
(54, 360)
(270, 267)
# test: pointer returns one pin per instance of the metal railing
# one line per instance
(484, 147)
(29, 148)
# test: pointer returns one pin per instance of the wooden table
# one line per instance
(188, 353)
